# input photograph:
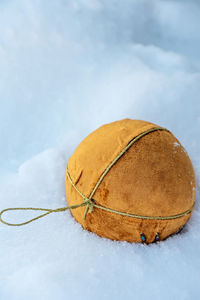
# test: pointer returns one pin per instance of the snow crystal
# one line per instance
(176, 144)
(67, 67)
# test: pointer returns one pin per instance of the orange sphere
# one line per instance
(149, 191)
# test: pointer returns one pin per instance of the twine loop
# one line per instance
(89, 203)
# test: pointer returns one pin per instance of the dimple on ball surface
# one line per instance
(154, 177)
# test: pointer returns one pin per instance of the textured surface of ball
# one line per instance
(153, 178)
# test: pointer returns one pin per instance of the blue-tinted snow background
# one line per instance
(67, 67)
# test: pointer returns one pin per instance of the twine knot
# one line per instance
(89, 206)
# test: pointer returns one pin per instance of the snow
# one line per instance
(176, 144)
(67, 67)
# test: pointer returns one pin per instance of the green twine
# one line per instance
(88, 202)
(48, 211)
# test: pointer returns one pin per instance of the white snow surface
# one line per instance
(67, 67)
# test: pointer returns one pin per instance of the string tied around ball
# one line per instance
(89, 203)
